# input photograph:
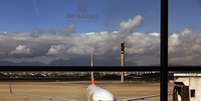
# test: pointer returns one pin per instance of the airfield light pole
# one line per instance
(122, 60)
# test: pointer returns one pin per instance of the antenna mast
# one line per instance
(92, 64)
(92, 59)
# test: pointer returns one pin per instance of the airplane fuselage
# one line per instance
(95, 93)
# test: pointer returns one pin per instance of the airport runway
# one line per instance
(75, 90)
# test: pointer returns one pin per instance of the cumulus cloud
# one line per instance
(56, 49)
(138, 46)
(139, 43)
(21, 49)
(141, 48)
(184, 48)
(128, 26)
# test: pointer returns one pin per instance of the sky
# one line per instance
(67, 32)
(23, 15)
(184, 32)
(183, 14)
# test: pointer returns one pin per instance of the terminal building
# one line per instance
(187, 87)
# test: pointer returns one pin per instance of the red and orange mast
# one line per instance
(92, 73)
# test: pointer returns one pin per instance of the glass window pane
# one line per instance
(67, 32)
(184, 32)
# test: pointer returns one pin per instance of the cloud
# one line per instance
(141, 48)
(104, 44)
(173, 42)
(139, 43)
(21, 49)
(128, 26)
(184, 48)
(56, 50)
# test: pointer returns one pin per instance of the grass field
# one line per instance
(75, 90)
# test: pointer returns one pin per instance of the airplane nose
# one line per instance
(104, 98)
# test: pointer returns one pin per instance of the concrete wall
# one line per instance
(193, 83)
